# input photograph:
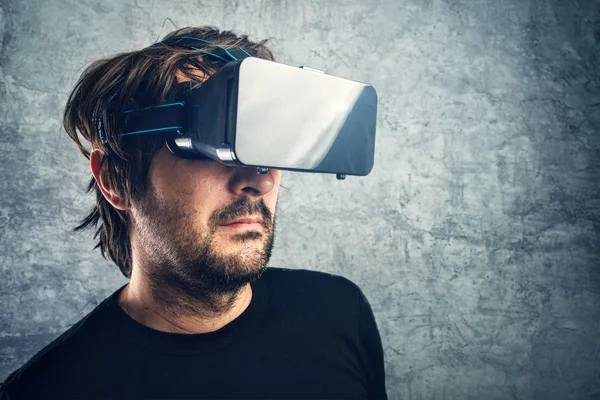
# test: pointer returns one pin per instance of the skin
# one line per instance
(191, 274)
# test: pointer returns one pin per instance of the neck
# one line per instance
(175, 313)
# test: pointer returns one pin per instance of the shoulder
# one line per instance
(333, 300)
(303, 279)
(51, 368)
(40, 370)
(305, 275)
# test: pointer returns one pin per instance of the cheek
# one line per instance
(203, 195)
(173, 191)
(183, 194)
(271, 198)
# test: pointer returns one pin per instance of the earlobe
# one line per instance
(110, 195)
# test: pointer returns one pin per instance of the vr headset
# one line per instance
(263, 114)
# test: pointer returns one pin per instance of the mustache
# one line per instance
(242, 208)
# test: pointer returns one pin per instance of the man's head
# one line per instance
(164, 213)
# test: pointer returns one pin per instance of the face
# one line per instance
(181, 225)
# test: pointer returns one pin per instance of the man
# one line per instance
(202, 316)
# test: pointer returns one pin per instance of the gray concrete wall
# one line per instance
(475, 237)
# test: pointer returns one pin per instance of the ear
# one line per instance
(109, 194)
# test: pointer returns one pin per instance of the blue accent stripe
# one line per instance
(248, 54)
(170, 104)
(228, 53)
(150, 130)
(158, 106)
(212, 44)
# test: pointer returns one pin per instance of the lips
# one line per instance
(245, 220)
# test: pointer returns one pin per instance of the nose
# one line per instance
(247, 181)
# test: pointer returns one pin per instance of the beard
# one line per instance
(187, 271)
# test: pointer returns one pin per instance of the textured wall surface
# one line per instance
(475, 238)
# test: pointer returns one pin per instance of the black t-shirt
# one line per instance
(305, 335)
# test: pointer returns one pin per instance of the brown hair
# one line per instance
(127, 80)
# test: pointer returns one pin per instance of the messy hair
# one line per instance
(109, 86)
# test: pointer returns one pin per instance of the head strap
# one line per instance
(219, 52)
